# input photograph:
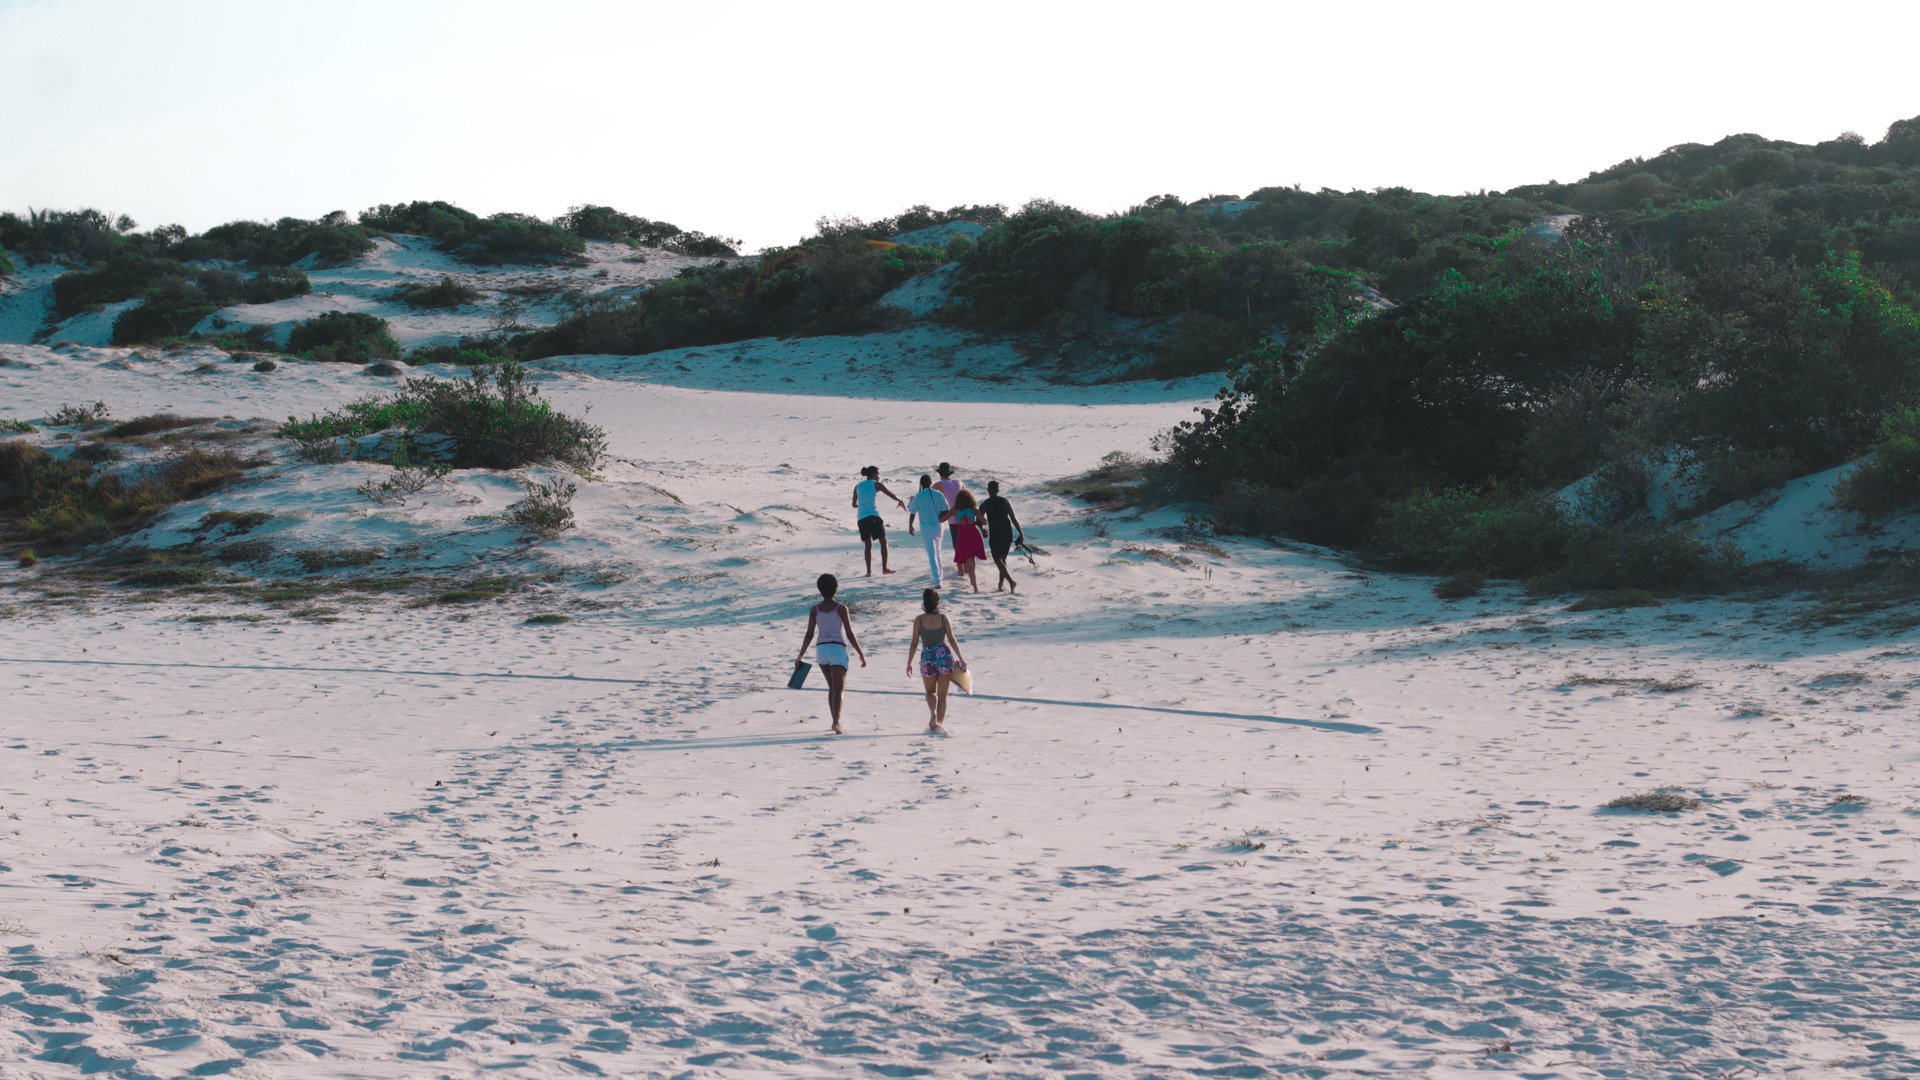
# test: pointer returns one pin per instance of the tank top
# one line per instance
(864, 491)
(829, 625)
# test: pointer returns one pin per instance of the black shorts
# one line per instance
(1000, 546)
(872, 528)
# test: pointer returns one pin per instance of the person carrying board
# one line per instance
(834, 623)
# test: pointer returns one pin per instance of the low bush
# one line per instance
(822, 287)
(606, 223)
(501, 238)
(1650, 559)
(331, 240)
(171, 309)
(495, 417)
(445, 293)
(405, 481)
(1662, 801)
(1460, 586)
(1492, 534)
(547, 508)
(264, 365)
(1889, 478)
(6, 264)
(16, 427)
(86, 235)
(125, 276)
(344, 337)
(1496, 534)
(277, 283)
(78, 415)
(471, 352)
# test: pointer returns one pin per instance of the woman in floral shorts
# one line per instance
(939, 655)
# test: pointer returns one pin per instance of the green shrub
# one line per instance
(547, 508)
(172, 309)
(1661, 801)
(606, 223)
(16, 427)
(264, 365)
(6, 264)
(277, 283)
(1889, 479)
(822, 287)
(471, 352)
(1492, 534)
(331, 240)
(78, 415)
(495, 417)
(445, 293)
(346, 337)
(49, 235)
(1652, 559)
(1614, 600)
(497, 239)
(125, 276)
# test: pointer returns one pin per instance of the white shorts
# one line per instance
(830, 654)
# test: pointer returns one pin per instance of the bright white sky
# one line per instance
(753, 119)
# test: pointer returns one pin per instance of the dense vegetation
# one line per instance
(826, 285)
(499, 238)
(1747, 309)
(606, 223)
(180, 278)
(343, 337)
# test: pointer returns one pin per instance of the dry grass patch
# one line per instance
(1659, 801)
(148, 425)
(1626, 684)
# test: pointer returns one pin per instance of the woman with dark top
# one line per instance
(1002, 524)
(834, 623)
(938, 651)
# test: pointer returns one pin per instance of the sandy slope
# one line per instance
(1233, 810)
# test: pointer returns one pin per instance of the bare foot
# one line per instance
(836, 728)
(885, 570)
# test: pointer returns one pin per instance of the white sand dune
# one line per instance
(1221, 808)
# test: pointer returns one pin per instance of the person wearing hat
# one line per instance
(949, 487)
(866, 514)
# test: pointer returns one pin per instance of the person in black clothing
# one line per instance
(1002, 525)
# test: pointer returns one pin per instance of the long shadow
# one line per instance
(1321, 725)
(723, 742)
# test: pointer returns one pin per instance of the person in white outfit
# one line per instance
(925, 514)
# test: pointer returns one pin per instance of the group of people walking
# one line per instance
(942, 509)
(943, 502)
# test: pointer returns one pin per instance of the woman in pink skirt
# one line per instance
(968, 545)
